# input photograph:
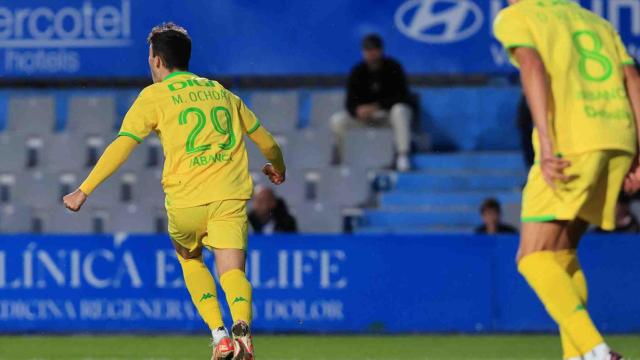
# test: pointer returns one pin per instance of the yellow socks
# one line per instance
(238, 292)
(556, 290)
(202, 288)
(568, 260)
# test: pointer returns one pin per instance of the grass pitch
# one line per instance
(299, 347)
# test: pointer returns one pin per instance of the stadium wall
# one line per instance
(345, 284)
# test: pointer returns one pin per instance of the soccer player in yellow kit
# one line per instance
(584, 95)
(206, 178)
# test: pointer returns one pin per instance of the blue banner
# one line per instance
(387, 284)
(107, 38)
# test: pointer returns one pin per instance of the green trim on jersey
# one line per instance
(128, 134)
(254, 128)
(176, 73)
(543, 218)
(628, 62)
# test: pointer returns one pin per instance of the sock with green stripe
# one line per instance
(555, 289)
(238, 292)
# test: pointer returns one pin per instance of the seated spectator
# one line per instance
(626, 222)
(377, 95)
(269, 214)
(491, 214)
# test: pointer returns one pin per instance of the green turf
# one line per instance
(298, 347)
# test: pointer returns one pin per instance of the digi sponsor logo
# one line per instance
(39, 39)
(439, 21)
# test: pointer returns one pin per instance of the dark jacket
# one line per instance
(502, 229)
(387, 86)
(284, 222)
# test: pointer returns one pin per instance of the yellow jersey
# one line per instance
(584, 58)
(201, 126)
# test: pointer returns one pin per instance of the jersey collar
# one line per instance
(176, 73)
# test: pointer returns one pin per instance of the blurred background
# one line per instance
(422, 187)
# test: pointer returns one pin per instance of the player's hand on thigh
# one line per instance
(274, 175)
(74, 200)
(632, 180)
(553, 170)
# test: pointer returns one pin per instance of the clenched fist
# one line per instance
(74, 200)
(274, 176)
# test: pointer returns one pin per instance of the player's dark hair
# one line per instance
(372, 41)
(172, 44)
(490, 204)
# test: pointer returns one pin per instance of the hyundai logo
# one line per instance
(439, 21)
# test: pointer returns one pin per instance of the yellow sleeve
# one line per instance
(250, 122)
(623, 54)
(141, 119)
(113, 157)
(268, 147)
(512, 32)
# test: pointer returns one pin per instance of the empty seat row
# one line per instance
(64, 151)
(305, 149)
(91, 220)
(101, 113)
(335, 186)
(343, 186)
(136, 219)
(41, 189)
(82, 114)
(312, 149)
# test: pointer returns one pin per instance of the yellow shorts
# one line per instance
(591, 195)
(218, 225)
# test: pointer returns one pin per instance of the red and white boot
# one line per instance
(243, 341)
(223, 346)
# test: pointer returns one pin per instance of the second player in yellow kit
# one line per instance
(589, 109)
(202, 127)
(584, 95)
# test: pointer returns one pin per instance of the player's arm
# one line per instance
(632, 83)
(535, 83)
(113, 157)
(275, 168)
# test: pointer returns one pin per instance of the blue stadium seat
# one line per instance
(13, 152)
(277, 110)
(318, 218)
(91, 114)
(465, 161)
(309, 149)
(438, 198)
(445, 191)
(462, 182)
(420, 218)
(31, 115)
(15, 219)
(323, 105)
(369, 148)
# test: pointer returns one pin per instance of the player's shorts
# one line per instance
(218, 225)
(591, 195)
